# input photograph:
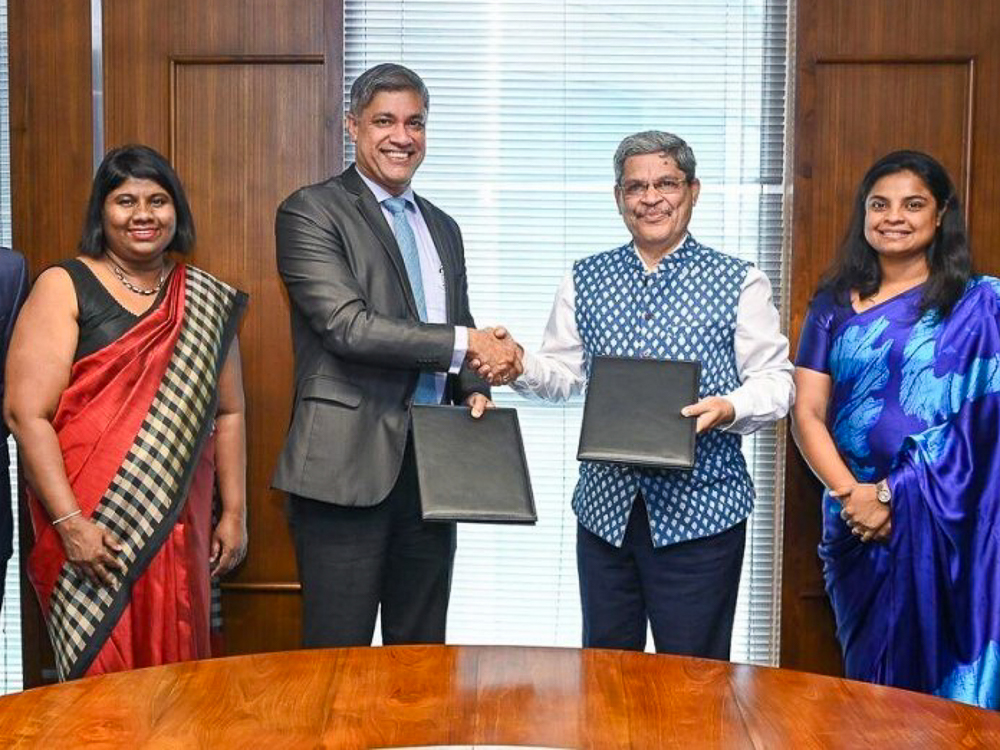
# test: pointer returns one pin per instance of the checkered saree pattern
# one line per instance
(149, 489)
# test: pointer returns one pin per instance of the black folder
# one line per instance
(632, 414)
(471, 469)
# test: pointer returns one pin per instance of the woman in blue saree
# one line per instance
(897, 412)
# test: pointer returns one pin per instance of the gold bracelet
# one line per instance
(66, 517)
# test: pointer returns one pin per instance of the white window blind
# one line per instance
(528, 102)
(11, 677)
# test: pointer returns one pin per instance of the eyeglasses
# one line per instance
(666, 186)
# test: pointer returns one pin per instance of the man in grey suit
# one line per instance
(380, 320)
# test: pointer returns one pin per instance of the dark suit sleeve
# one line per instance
(14, 291)
(314, 264)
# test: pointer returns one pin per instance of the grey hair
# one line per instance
(655, 142)
(385, 77)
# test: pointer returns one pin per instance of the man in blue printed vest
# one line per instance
(666, 546)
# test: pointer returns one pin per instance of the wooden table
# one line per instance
(440, 695)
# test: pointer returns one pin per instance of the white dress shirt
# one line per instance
(766, 392)
(431, 273)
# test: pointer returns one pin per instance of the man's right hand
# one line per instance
(494, 355)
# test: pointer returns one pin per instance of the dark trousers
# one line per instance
(351, 560)
(686, 591)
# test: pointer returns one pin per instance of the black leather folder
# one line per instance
(632, 414)
(471, 469)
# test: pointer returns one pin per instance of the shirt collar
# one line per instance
(381, 193)
(681, 249)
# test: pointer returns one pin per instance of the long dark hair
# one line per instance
(141, 163)
(949, 259)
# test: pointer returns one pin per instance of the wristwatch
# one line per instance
(882, 492)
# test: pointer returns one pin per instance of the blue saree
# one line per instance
(917, 400)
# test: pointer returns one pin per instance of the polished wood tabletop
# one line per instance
(482, 695)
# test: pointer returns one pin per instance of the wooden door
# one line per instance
(870, 78)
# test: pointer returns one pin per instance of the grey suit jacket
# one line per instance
(359, 345)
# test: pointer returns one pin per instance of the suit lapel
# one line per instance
(443, 245)
(371, 211)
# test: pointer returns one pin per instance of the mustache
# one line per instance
(656, 213)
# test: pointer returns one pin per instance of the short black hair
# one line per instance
(141, 163)
(949, 259)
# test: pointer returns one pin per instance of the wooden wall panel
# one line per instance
(843, 143)
(870, 78)
(51, 125)
(142, 36)
(237, 167)
(252, 609)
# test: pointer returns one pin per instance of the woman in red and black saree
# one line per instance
(125, 395)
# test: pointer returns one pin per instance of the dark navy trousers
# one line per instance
(686, 591)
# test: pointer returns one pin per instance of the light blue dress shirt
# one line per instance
(431, 271)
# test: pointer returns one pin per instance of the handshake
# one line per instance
(494, 355)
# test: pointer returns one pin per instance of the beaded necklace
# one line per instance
(119, 273)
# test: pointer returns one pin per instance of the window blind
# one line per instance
(528, 102)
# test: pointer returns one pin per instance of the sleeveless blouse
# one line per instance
(102, 319)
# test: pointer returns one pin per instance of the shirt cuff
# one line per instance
(528, 381)
(742, 408)
(461, 347)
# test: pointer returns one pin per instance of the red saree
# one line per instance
(135, 428)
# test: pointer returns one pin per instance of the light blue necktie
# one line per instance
(426, 392)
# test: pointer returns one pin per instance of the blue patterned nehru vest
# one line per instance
(686, 309)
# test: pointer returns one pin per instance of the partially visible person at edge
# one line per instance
(665, 546)
(898, 379)
(13, 289)
(125, 395)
